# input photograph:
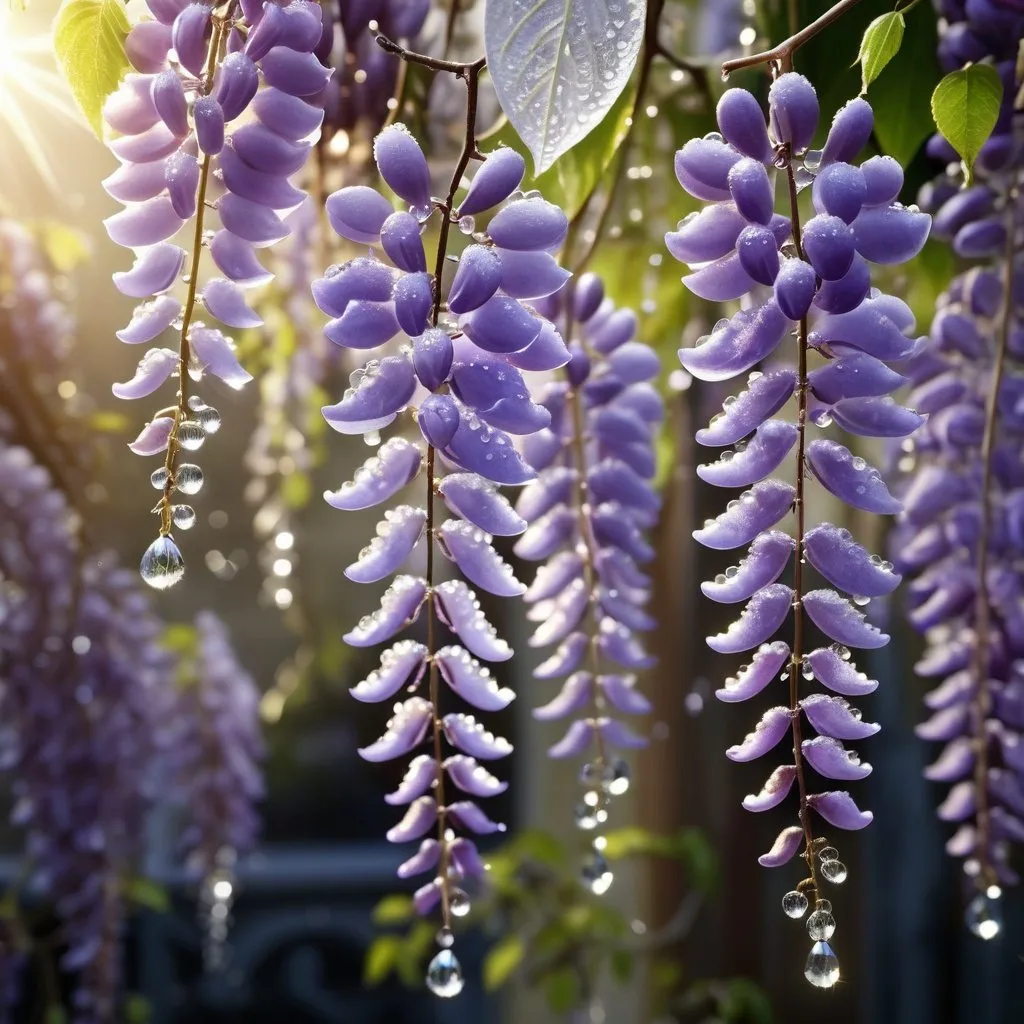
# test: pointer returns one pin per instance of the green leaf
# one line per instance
(381, 958)
(562, 990)
(622, 962)
(296, 490)
(394, 909)
(88, 39)
(65, 247)
(965, 106)
(104, 421)
(502, 960)
(147, 893)
(879, 44)
(137, 1009)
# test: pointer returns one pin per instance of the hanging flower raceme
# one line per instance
(588, 512)
(183, 159)
(87, 689)
(814, 276)
(461, 347)
(216, 757)
(961, 537)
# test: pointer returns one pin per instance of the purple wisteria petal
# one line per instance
(133, 183)
(499, 396)
(405, 730)
(529, 275)
(483, 449)
(767, 558)
(767, 734)
(765, 613)
(567, 658)
(381, 393)
(614, 480)
(466, 860)
(528, 224)
(181, 175)
(294, 73)
(577, 738)
(617, 642)
(753, 678)
(358, 279)
(497, 178)
(427, 897)
(875, 417)
(764, 396)
(752, 513)
(288, 116)
(402, 165)
(418, 779)
(465, 733)
(856, 375)
(707, 234)
(574, 696)
(472, 681)
(476, 279)
(954, 763)
(618, 734)
(615, 530)
(841, 620)
(633, 363)
(720, 281)
(467, 815)
(850, 478)
(560, 616)
(546, 534)
(775, 789)
(459, 609)
(783, 850)
(154, 436)
(554, 576)
(397, 535)
(847, 292)
(380, 477)
(224, 300)
(891, 234)
(702, 167)
(154, 368)
(400, 665)
(364, 325)
(153, 144)
(425, 859)
(546, 352)
(214, 353)
(946, 724)
(155, 270)
(846, 564)
(960, 803)
(832, 716)
(250, 221)
(142, 224)
(838, 674)
(399, 607)
(237, 260)
(413, 298)
(438, 420)
(625, 608)
(828, 757)
(839, 809)
(470, 548)
(761, 455)
(621, 692)
(472, 777)
(400, 237)
(419, 818)
(502, 325)
(745, 340)
(358, 213)
(208, 118)
(865, 329)
(130, 108)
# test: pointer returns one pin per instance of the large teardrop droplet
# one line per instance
(822, 969)
(162, 565)
(444, 975)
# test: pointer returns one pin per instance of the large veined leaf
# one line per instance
(558, 66)
(965, 106)
(88, 38)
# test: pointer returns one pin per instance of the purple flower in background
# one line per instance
(960, 537)
(215, 755)
(813, 276)
(462, 345)
(186, 151)
(86, 692)
(588, 513)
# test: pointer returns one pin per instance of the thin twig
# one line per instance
(782, 55)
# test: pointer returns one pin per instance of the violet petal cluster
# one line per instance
(461, 372)
(960, 537)
(185, 152)
(815, 278)
(589, 513)
(86, 691)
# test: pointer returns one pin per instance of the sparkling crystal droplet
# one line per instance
(794, 904)
(191, 435)
(158, 478)
(984, 916)
(183, 517)
(189, 478)
(162, 565)
(822, 968)
(585, 817)
(596, 874)
(828, 853)
(616, 777)
(444, 975)
(821, 925)
(209, 419)
(445, 938)
(834, 871)
(458, 903)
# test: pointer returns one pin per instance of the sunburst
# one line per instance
(27, 79)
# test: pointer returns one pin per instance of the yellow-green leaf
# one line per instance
(88, 39)
(965, 106)
(502, 960)
(65, 247)
(394, 909)
(146, 893)
(381, 958)
(879, 44)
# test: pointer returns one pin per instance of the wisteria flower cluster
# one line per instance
(183, 155)
(86, 689)
(216, 756)
(588, 512)
(960, 531)
(461, 347)
(813, 276)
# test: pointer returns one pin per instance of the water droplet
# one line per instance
(596, 874)
(828, 853)
(984, 916)
(794, 904)
(191, 435)
(189, 478)
(860, 600)
(444, 975)
(821, 925)
(822, 969)
(158, 478)
(823, 418)
(585, 817)
(183, 517)
(858, 464)
(371, 438)
(162, 565)
(422, 214)
(467, 225)
(616, 777)
(834, 871)
(590, 774)
(209, 419)
(445, 938)
(458, 903)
